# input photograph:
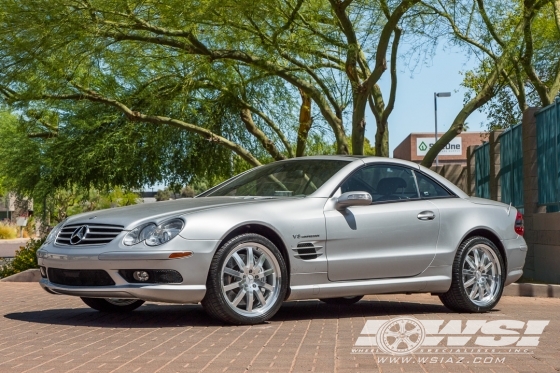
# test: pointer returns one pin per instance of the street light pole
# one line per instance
(436, 95)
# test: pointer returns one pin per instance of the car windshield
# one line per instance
(282, 179)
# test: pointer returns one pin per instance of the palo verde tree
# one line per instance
(518, 46)
(155, 63)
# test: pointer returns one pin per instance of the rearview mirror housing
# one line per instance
(353, 199)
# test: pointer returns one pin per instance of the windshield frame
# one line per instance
(344, 162)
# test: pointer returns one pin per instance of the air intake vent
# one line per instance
(307, 251)
(88, 234)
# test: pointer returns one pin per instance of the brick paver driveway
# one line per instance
(45, 333)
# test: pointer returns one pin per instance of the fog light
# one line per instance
(43, 272)
(141, 276)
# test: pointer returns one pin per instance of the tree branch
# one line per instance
(247, 119)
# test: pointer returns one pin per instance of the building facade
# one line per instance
(415, 146)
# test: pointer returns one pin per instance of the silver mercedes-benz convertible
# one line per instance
(333, 228)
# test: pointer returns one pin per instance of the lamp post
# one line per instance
(436, 95)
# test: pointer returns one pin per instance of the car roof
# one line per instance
(351, 158)
(356, 160)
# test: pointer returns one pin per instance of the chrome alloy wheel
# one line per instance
(250, 279)
(482, 275)
(120, 302)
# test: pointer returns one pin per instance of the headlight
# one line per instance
(54, 232)
(154, 235)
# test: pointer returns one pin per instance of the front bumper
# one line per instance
(114, 257)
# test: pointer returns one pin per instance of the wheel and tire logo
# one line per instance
(401, 336)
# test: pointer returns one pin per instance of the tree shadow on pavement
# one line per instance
(153, 315)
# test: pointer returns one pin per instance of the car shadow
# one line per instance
(153, 315)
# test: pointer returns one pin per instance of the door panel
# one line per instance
(381, 240)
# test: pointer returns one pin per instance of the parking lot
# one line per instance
(40, 332)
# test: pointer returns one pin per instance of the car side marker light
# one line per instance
(184, 254)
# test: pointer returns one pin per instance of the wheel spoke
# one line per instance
(414, 331)
(480, 292)
(233, 285)
(469, 282)
(485, 269)
(268, 272)
(396, 343)
(473, 291)
(260, 297)
(390, 333)
(261, 260)
(470, 262)
(239, 261)
(476, 257)
(232, 272)
(402, 326)
(249, 301)
(408, 342)
(238, 298)
(250, 258)
(267, 286)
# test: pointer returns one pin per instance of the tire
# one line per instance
(469, 276)
(342, 301)
(113, 305)
(247, 281)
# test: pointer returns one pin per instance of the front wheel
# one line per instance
(247, 281)
(342, 301)
(113, 305)
(477, 278)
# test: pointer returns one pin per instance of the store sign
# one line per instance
(423, 144)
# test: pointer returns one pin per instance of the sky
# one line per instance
(414, 104)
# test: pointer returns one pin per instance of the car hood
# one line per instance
(131, 216)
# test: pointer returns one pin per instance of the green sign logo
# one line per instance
(422, 146)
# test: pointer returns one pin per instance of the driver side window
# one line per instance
(385, 183)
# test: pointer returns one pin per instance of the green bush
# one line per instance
(26, 258)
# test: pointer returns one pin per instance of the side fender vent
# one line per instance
(307, 250)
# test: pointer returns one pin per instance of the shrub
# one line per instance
(26, 258)
(8, 230)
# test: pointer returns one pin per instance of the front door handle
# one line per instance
(426, 215)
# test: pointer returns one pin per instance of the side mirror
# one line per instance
(353, 199)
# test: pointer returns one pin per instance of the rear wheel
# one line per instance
(247, 281)
(343, 301)
(113, 304)
(478, 277)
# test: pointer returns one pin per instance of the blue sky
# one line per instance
(414, 105)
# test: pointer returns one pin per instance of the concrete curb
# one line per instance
(532, 290)
(31, 275)
(14, 240)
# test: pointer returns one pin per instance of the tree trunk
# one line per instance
(382, 138)
(359, 120)
(305, 122)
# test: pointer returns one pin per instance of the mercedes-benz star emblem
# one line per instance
(79, 234)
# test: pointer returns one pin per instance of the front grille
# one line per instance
(307, 250)
(84, 277)
(93, 234)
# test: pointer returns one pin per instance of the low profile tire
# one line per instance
(247, 281)
(342, 301)
(478, 277)
(113, 305)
